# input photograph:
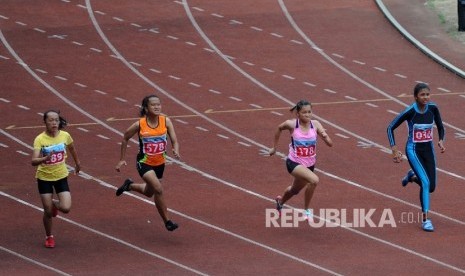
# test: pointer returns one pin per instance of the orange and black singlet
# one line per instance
(152, 142)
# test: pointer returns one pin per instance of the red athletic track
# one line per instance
(225, 109)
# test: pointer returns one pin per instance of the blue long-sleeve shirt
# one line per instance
(420, 125)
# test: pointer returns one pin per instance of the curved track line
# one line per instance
(107, 236)
(224, 57)
(342, 68)
(208, 225)
(277, 95)
(417, 43)
(410, 251)
(103, 124)
(34, 261)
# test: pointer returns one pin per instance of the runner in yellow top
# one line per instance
(153, 129)
(49, 155)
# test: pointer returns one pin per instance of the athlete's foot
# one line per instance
(427, 225)
(170, 226)
(125, 187)
(407, 178)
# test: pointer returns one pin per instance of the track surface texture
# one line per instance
(227, 73)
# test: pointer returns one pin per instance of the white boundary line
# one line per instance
(107, 236)
(33, 261)
(417, 43)
(277, 95)
(100, 122)
(103, 183)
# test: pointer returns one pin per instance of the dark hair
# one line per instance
(63, 121)
(145, 103)
(300, 104)
(420, 86)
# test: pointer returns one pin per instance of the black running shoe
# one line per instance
(124, 187)
(170, 226)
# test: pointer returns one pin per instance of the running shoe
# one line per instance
(407, 178)
(49, 242)
(125, 187)
(427, 226)
(279, 205)
(170, 226)
(309, 215)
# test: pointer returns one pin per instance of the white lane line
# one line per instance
(277, 113)
(108, 236)
(41, 71)
(214, 91)
(267, 70)
(155, 70)
(181, 103)
(83, 129)
(23, 107)
(380, 69)
(202, 129)
(350, 98)
(61, 78)
(194, 84)
(309, 84)
(288, 77)
(244, 144)
(34, 261)
(100, 92)
(217, 15)
(330, 91)
(39, 30)
(297, 42)
(235, 99)
(371, 104)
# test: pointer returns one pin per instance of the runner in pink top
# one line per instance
(302, 149)
(301, 159)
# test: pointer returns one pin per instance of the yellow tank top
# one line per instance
(152, 142)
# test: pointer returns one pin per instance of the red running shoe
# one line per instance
(49, 242)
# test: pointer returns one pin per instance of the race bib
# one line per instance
(154, 145)
(422, 133)
(57, 154)
(305, 151)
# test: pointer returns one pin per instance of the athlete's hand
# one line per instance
(176, 154)
(272, 151)
(397, 156)
(120, 164)
(77, 168)
(441, 146)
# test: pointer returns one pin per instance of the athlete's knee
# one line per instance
(432, 188)
(314, 180)
(65, 209)
(158, 191)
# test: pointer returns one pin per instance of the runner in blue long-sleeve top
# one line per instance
(420, 117)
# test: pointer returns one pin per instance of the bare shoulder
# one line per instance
(288, 124)
(317, 124)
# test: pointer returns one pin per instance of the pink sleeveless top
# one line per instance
(302, 148)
